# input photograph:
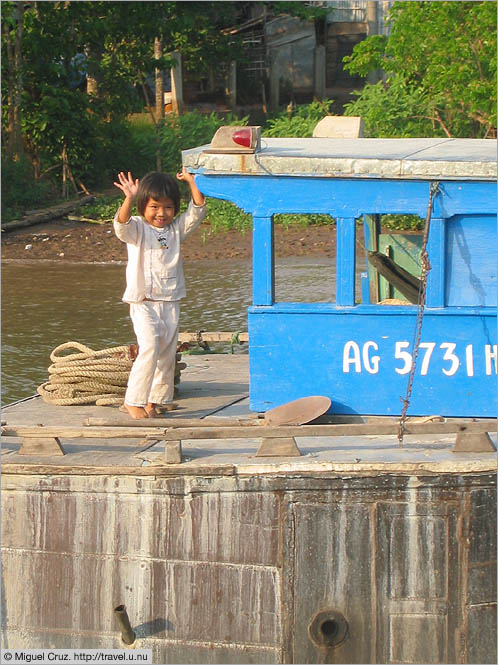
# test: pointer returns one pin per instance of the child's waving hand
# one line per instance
(185, 175)
(127, 185)
(197, 196)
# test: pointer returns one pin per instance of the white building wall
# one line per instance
(355, 11)
(348, 11)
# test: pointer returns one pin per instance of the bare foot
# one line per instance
(136, 412)
(151, 410)
(170, 406)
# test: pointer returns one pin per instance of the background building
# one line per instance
(289, 60)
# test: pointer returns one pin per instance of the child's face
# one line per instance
(159, 212)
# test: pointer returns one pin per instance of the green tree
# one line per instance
(192, 29)
(440, 72)
(298, 122)
(12, 32)
(73, 71)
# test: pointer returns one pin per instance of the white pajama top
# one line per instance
(154, 270)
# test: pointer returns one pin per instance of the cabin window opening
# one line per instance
(391, 258)
(304, 249)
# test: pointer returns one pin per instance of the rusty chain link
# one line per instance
(426, 266)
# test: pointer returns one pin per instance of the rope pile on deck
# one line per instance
(100, 377)
(87, 376)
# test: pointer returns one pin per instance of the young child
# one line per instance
(154, 280)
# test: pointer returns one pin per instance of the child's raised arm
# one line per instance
(197, 196)
(129, 187)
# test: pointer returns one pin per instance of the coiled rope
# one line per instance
(88, 376)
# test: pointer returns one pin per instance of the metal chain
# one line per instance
(426, 266)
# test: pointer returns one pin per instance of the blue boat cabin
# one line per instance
(356, 351)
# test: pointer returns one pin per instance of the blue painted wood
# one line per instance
(359, 355)
(264, 196)
(263, 258)
(471, 260)
(371, 233)
(436, 250)
(468, 198)
(346, 261)
(361, 358)
(365, 288)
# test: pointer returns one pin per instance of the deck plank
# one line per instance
(212, 385)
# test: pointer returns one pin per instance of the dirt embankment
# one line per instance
(81, 242)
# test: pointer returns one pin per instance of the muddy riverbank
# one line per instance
(63, 240)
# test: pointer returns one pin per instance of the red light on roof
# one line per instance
(243, 137)
(236, 139)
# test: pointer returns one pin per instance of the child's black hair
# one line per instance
(156, 185)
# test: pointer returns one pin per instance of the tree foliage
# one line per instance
(65, 46)
(440, 72)
(74, 70)
(299, 122)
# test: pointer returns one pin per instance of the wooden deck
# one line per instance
(215, 388)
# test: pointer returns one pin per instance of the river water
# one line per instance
(47, 304)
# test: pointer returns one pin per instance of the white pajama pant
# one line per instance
(152, 376)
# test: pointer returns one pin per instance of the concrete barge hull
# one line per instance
(233, 569)
(358, 550)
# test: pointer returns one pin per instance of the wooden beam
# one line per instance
(117, 421)
(35, 432)
(369, 429)
(202, 429)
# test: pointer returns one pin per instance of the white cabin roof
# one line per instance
(413, 158)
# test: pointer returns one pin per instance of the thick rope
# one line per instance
(88, 377)
(91, 377)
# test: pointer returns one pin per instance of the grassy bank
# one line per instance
(225, 216)
(221, 215)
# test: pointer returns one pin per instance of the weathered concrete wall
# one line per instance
(232, 569)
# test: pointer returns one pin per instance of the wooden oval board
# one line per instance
(299, 411)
